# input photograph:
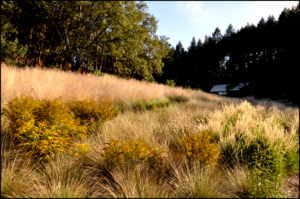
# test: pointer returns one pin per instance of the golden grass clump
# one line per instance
(197, 182)
(62, 177)
(133, 183)
(16, 176)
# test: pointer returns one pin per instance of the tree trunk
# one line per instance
(96, 66)
(39, 57)
(34, 62)
(77, 66)
(29, 49)
(72, 66)
(64, 64)
(101, 63)
(26, 58)
(86, 68)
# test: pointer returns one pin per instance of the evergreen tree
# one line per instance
(261, 23)
(216, 35)
(179, 51)
(229, 31)
(199, 44)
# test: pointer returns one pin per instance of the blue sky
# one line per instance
(183, 20)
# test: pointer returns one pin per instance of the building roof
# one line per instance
(219, 88)
(237, 88)
(222, 87)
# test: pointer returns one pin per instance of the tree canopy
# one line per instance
(111, 36)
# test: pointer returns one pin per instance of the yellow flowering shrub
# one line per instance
(78, 149)
(130, 151)
(43, 127)
(90, 113)
(198, 147)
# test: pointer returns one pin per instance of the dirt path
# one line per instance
(291, 186)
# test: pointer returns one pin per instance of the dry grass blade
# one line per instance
(62, 178)
(133, 183)
(196, 182)
(16, 176)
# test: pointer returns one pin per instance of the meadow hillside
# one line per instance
(71, 135)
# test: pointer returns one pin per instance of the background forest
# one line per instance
(120, 38)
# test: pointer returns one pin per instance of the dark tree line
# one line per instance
(265, 55)
(116, 37)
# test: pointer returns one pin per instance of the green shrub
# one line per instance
(283, 123)
(198, 147)
(43, 127)
(178, 98)
(291, 163)
(98, 73)
(16, 63)
(282, 158)
(149, 105)
(131, 152)
(265, 178)
(122, 108)
(171, 83)
(90, 113)
(138, 106)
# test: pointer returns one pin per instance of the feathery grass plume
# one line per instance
(239, 127)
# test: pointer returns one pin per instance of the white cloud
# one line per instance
(266, 8)
(194, 11)
(255, 11)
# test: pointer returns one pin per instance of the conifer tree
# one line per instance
(216, 35)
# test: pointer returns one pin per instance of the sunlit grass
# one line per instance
(51, 84)
(237, 126)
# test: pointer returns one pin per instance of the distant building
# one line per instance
(222, 89)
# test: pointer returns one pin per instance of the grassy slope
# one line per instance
(67, 176)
